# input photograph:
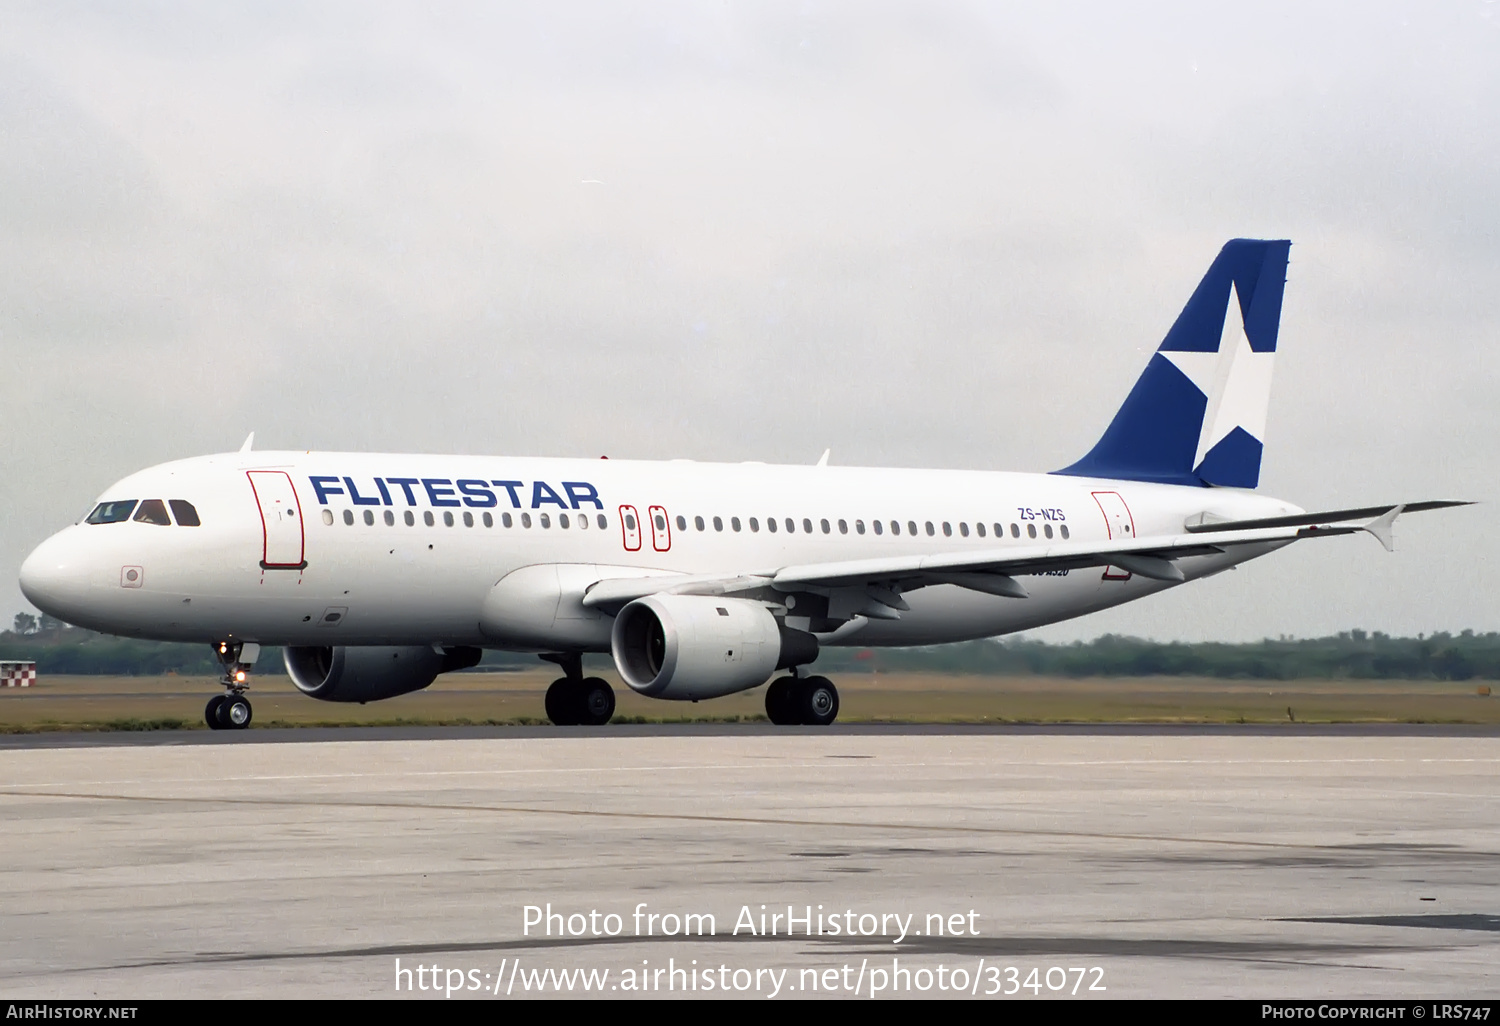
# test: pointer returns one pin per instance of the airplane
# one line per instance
(376, 572)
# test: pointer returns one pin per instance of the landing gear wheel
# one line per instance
(563, 706)
(594, 701)
(211, 712)
(234, 712)
(816, 701)
(779, 702)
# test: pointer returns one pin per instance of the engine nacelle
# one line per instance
(346, 674)
(686, 647)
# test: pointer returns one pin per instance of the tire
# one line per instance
(562, 703)
(211, 712)
(817, 701)
(595, 701)
(235, 713)
(779, 702)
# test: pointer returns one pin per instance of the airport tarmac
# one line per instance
(1151, 862)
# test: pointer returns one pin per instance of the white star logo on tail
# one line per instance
(1236, 381)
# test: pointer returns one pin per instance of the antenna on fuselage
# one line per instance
(823, 459)
(249, 440)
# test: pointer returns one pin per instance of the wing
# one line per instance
(873, 587)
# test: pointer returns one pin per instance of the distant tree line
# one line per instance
(58, 648)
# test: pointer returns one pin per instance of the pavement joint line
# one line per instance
(691, 818)
(927, 764)
(855, 945)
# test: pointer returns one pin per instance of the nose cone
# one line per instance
(51, 578)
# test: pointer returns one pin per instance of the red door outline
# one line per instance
(282, 511)
(1126, 523)
(632, 537)
(661, 536)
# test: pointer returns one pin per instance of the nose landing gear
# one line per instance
(231, 710)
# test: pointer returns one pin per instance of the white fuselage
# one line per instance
(280, 562)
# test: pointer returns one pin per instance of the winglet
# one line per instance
(1381, 526)
(249, 441)
(823, 459)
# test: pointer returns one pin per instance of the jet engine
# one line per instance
(686, 647)
(362, 674)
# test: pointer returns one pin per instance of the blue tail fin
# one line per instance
(1197, 415)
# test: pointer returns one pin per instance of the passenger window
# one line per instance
(1047, 530)
(911, 527)
(629, 522)
(349, 517)
(682, 522)
(546, 521)
(583, 521)
(369, 518)
(843, 527)
(328, 516)
(807, 526)
(754, 525)
(468, 519)
(979, 530)
(661, 522)
(770, 524)
(1015, 530)
(562, 521)
(505, 520)
(489, 521)
(111, 512)
(718, 523)
(1031, 530)
(410, 520)
(152, 511)
(895, 527)
(873, 523)
(427, 518)
(603, 523)
(859, 526)
(699, 524)
(947, 529)
(184, 513)
(1064, 530)
(526, 520)
(963, 529)
(734, 524)
(390, 519)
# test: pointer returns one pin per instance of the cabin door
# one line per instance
(1121, 526)
(282, 536)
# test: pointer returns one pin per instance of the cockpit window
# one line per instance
(152, 511)
(185, 514)
(111, 512)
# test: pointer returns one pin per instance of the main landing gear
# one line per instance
(809, 701)
(231, 710)
(576, 700)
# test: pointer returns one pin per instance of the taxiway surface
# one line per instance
(1201, 863)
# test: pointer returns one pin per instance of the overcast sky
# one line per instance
(922, 234)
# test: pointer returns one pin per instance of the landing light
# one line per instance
(239, 676)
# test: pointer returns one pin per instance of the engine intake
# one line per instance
(686, 647)
(345, 674)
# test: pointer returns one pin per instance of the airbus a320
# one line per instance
(376, 572)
